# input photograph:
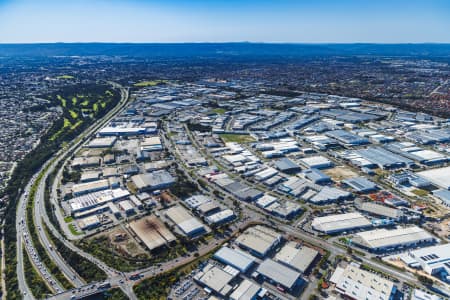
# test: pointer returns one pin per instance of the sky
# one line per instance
(291, 21)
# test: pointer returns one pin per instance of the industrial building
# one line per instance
(92, 200)
(408, 178)
(105, 142)
(360, 184)
(383, 158)
(434, 260)
(328, 195)
(443, 195)
(235, 258)
(278, 274)
(152, 232)
(153, 181)
(89, 187)
(220, 217)
(346, 138)
(216, 279)
(126, 207)
(297, 257)
(439, 177)
(377, 209)
(316, 162)
(88, 223)
(188, 224)
(355, 283)
(386, 240)
(150, 144)
(316, 176)
(341, 222)
(287, 166)
(247, 290)
(259, 240)
(121, 131)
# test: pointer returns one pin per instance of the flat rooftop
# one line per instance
(439, 177)
(340, 222)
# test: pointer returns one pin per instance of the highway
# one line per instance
(40, 215)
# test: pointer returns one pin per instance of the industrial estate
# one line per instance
(237, 189)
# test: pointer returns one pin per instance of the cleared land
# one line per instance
(340, 173)
(237, 138)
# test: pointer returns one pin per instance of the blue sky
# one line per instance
(313, 21)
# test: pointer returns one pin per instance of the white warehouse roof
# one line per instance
(235, 258)
(384, 238)
(340, 222)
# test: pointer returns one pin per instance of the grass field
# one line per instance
(68, 219)
(219, 111)
(237, 138)
(63, 101)
(65, 77)
(73, 114)
(73, 230)
(149, 83)
(419, 192)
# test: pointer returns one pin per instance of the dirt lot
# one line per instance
(340, 172)
(124, 243)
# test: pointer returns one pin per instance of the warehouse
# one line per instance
(153, 181)
(347, 138)
(188, 224)
(298, 258)
(355, 283)
(221, 217)
(376, 209)
(284, 209)
(89, 223)
(126, 207)
(235, 258)
(348, 115)
(259, 240)
(387, 240)
(434, 260)
(328, 195)
(152, 232)
(317, 162)
(316, 176)
(217, 279)
(340, 223)
(384, 159)
(279, 274)
(121, 131)
(106, 142)
(266, 200)
(84, 162)
(247, 290)
(156, 165)
(439, 177)
(406, 177)
(360, 184)
(92, 200)
(150, 144)
(443, 195)
(196, 200)
(287, 166)
(89, 187)
(266, 174)
(89, 176)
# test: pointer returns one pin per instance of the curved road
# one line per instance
(40, 212)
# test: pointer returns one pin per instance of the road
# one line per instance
(40, 216)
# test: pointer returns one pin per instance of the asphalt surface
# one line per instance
(40, 214)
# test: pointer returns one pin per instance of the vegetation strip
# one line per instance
(34, 281)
